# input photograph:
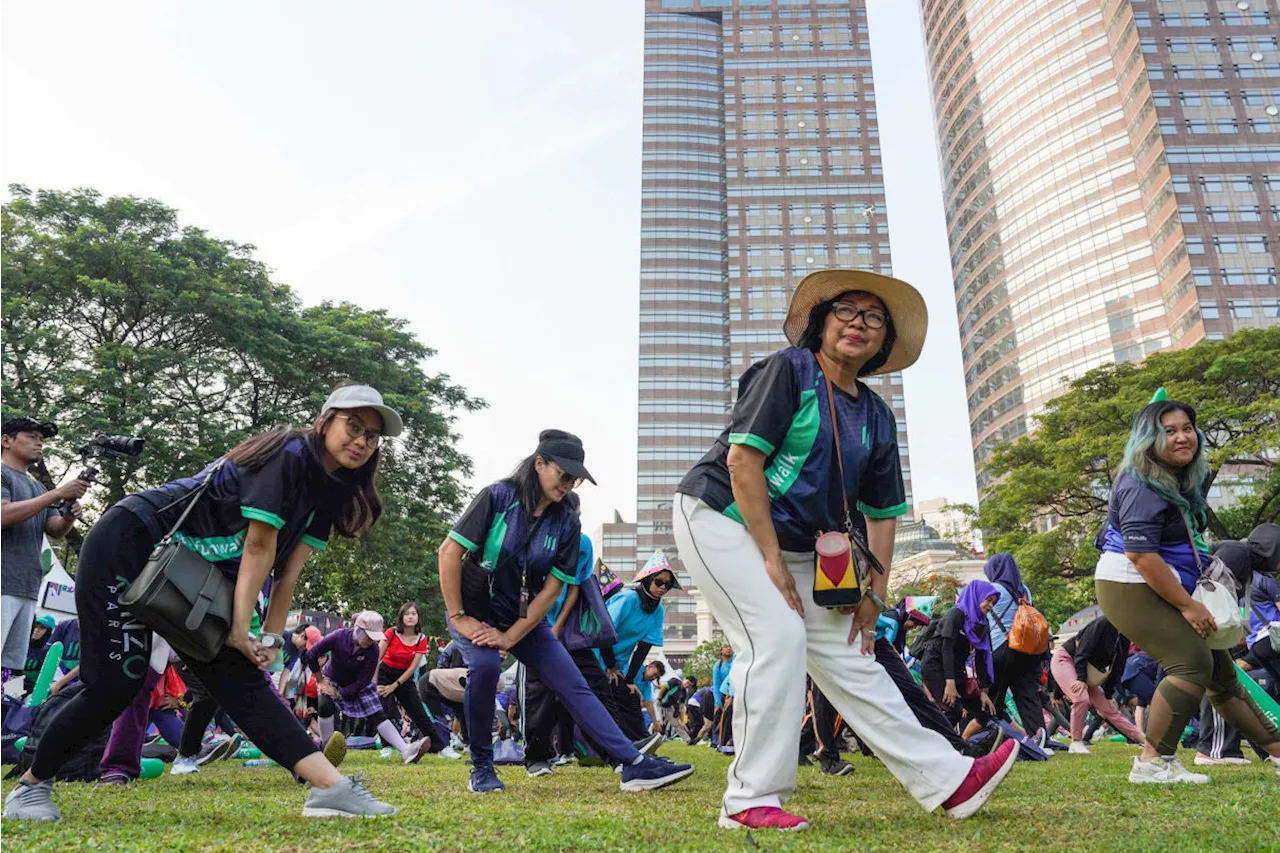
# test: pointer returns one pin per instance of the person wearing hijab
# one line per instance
(1014, 670)
(638, 618)
(965, 639)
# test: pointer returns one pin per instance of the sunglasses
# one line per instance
(664, 584)
(356, 428)
(568, 481)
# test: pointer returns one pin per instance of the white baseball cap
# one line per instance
(365, 397)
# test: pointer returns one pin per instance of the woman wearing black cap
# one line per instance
(501, 568)
(807, 443)
(270, 502)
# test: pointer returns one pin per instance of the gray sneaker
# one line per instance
(539, 768)
(32, 802)
(348, 798)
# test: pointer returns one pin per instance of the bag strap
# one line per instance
(1195, 552)
(195, 497)
(835, 435)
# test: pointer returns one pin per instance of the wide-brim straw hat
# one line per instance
(904, 303)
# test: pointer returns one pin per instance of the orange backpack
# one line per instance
(1030, 631)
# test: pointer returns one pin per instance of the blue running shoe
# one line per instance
(484, 780)
(653, 772)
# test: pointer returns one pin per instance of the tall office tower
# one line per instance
(761, 163)
(1110, 174)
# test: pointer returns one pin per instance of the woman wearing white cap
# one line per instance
(271, 502)
(346, 684)
(808, 441)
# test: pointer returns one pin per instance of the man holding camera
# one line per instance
(26, 515)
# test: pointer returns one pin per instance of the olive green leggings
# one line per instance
(1190, 666)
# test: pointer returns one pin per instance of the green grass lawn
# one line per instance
(1067, 803)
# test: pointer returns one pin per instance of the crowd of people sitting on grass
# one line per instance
(786, 526)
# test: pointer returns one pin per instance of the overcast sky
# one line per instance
(474, 167)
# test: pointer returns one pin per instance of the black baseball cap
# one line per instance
(568, 453)
(22, 423)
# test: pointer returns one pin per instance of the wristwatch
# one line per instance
(270, 641)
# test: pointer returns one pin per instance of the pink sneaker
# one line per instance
(763, 817)
(984, 776)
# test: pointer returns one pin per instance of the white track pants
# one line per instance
(775, 647)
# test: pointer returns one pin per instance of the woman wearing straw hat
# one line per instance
(746, 521)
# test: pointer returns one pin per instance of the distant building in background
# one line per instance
(952, 524)
(760, 163)
(921, 552)
(1111, 180)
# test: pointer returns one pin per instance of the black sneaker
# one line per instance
(649, 744)
(836, 766)
(805, 761)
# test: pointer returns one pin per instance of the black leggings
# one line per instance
(407, 695)
(115, 653)
(204, 709)
(1020, 673)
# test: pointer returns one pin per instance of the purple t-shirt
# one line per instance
(350, 667)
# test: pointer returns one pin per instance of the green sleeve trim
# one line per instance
(569, 579)
(463, 541)
(887, 512)
(752, 441)
(314, 543)
(262, 515)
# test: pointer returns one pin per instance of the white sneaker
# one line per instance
(1079, 747)
(1163, 771)
(1275, 762)
(450, 753)
(413, 754)
(1208, 760)
(388, 752)
(182, 766)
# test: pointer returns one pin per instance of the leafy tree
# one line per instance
(699, 663)
(1050, 489)
(118, 319)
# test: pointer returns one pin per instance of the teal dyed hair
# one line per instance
(1181, 486)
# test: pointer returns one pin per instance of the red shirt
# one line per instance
(400, 656)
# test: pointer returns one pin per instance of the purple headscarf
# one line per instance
(975, 621)
(1002, 569)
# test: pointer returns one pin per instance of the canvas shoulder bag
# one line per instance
(1216, 590)
(843, 561)
(182, 596)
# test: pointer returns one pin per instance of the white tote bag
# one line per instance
(1216, 590)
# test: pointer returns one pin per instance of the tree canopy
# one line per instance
(118, 319)
(1050, 488)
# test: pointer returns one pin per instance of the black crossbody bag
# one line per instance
(182, 596)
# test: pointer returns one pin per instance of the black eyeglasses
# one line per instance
(356, 428)
(873, 317)
(660, 582)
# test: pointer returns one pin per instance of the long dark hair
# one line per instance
(812, 337)
(405, 608)
(525, 477)
(363, 506)
(1147, 440)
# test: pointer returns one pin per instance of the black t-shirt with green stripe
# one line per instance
(782, 411)
(291, 492)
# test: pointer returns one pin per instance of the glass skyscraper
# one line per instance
(1111, 176)
(760, 163)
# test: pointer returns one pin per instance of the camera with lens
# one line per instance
(104, 446)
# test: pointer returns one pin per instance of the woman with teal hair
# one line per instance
(1152, 548)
